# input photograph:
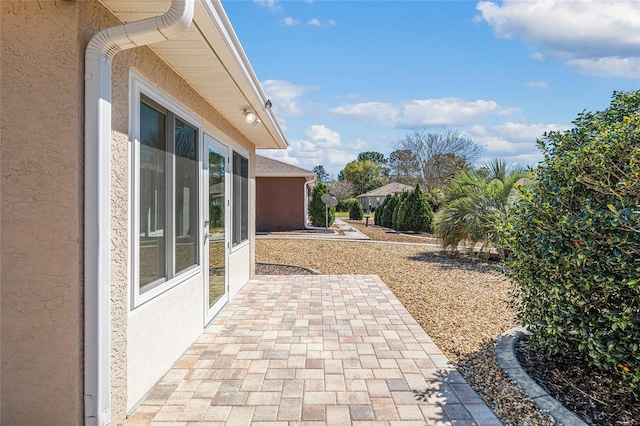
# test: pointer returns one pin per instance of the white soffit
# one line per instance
(209, 57)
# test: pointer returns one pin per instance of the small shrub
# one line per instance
(575, 242)
(356, 212)
(317, 209)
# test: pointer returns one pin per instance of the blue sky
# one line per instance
(351, 76)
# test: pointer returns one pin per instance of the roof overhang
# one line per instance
(209, 57)
(307, 176)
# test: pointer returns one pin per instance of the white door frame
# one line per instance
(210, 143)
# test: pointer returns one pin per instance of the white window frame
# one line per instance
(138, 85)
(245, 154)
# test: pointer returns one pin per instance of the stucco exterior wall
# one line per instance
(41, 213)
(41, 205)
(146, 63)
(279, 203)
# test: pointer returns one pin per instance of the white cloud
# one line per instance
(449, 112)
(322, 136)
(513, 142)
(373, 112)
(519, 132)
(332, 22)
(537, 56)
(574, 31)
(358, 144)
(289, 21)
(538, 84)
(283, 96)
(608, 67)
(269, 4)
(424, 112)
(314, 22)
(319, 146)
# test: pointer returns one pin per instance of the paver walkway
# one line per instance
(313, 350)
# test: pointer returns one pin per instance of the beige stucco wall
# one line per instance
(42, 98)
(145, 62)
(40, 213)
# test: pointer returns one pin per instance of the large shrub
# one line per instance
(356, 212)
(396, 210)
(414, 213)
(390, 204)
(345, 204)
(576, 242)
(317, 208)
(478, 205)
(377, 219)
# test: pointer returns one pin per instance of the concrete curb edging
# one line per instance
(506, 357)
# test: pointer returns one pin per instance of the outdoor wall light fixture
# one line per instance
(249, 116)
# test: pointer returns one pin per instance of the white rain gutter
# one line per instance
(97, 193)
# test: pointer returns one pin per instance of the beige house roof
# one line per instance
(388, 189)
(268, 167)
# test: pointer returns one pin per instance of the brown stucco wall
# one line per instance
(40, 215)
(279, 203)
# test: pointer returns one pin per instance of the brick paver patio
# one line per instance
(313, 350)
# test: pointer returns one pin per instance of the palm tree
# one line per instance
(478, 205)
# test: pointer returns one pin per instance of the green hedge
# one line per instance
(575, 242)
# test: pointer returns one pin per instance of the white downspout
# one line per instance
(97, 193)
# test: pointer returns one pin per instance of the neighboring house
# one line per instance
(127, 198)
(282, 195)
(373, 198)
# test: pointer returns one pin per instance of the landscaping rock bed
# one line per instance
(587, 391)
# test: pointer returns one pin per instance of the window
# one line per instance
(167, 196)
(240, 199)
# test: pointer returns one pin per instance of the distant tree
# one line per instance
(321, 174)
(365, 175)
(341, 189)
(317, 209)
(404, 167)
(440, 155)
(435, 199)
(376, 157)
